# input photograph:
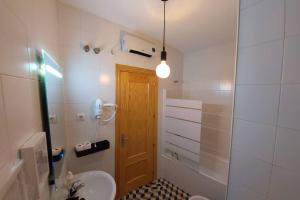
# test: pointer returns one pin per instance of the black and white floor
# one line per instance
(159, 189)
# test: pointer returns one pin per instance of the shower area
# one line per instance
(196, 125)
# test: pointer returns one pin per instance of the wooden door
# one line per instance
(136, 127)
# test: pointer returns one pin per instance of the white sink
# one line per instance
(98, 185)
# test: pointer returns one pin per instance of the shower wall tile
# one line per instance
(287, 149)
(256, 63)
(289, 110)
(262, 22)
(291, 69)
(250, 172)
(284, 184)
(274, 135)
(246, 135)
(238, 192)
(258, 103)
(247, 3)
(292, 17)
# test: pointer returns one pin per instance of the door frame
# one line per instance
(126, 68)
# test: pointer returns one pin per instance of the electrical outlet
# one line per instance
(53, 119)
(80, 116)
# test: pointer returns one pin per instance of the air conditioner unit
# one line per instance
(136, 45)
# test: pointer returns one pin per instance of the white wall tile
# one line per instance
(247, 171)
(80, 132)
(19, 109)
(247, 135)
(289, 110)
(284, 185)
(5, 156)
(291, 69)
(292, 17)
(68, 16)
(71, 109)
(54, 94)
(58, 134)
(247, 3)
(82, 83)
(71, 36)
(23, 10)
(191, 181)
(260, 64)
(45, 31)
(287, 149)
(262, 22)
(37, 127)
(257, 103)
(238, 192)
(13, 41)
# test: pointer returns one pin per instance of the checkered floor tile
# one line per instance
(159, 189)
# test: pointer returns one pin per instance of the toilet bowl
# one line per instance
(198, 198)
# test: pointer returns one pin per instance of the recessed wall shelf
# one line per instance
(96, 147)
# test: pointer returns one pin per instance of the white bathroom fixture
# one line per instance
(98, 185)
(35, 156)
(99, 105)
(198, 198)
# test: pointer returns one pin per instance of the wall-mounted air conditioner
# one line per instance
(136, 45)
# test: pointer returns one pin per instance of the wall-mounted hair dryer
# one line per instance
(99, 105)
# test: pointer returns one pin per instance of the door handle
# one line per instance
(123, 139)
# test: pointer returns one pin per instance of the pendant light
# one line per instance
(163, 70)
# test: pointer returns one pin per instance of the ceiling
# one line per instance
(191, 24)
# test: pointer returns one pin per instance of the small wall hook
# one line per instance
(97, 50)
(86, 48)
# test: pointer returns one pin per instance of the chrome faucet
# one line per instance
(75, 187)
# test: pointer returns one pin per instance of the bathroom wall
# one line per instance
(89, 76)
(265, 155)
(21, 30)
(208, 76)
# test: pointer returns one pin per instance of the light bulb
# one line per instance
(163, 70)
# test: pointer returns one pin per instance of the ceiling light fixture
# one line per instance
(163, 70)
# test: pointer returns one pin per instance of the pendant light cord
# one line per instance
(164, 34)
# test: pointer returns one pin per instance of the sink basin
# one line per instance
(98, 185)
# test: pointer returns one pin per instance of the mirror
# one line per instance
(52, 107)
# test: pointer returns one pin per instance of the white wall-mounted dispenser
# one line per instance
(35, 156)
